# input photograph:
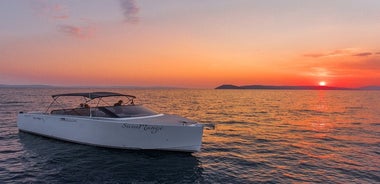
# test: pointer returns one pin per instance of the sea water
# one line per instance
(260, 136)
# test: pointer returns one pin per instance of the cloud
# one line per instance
(314, 55)
(61, 20)
(130, 10)
(81, 32)
(334, 53)
(341, 63)
(61, 17)
(363, 54)
(58, 12)
(318, 71)
(366, 64)
(49, 9)
(342, 52)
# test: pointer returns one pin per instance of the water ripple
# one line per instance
(259, 137)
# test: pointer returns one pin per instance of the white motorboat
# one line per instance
(121, 125)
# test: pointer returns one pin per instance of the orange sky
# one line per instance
(197, 44)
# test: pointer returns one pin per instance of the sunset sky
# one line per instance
(190, 43)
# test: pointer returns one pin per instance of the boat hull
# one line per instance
(125, 133)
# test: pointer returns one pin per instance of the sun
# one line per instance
(322, 83)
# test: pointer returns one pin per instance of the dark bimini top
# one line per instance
(94, 95)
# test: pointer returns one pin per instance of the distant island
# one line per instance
(230, 86)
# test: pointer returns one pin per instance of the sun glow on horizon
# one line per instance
(322, 83)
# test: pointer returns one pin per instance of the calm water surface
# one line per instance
(260, 136)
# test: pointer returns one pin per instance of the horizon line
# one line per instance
(171, 87)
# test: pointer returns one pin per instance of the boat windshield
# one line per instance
(123, 111)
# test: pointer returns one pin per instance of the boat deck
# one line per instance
(136, 113)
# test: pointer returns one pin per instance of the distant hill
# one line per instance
(229, 86)
(370, 88)
(24, 86)
(88, 87)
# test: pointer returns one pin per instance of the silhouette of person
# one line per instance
(119, 103)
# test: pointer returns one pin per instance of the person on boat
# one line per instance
(118, 103)
(84, 105)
